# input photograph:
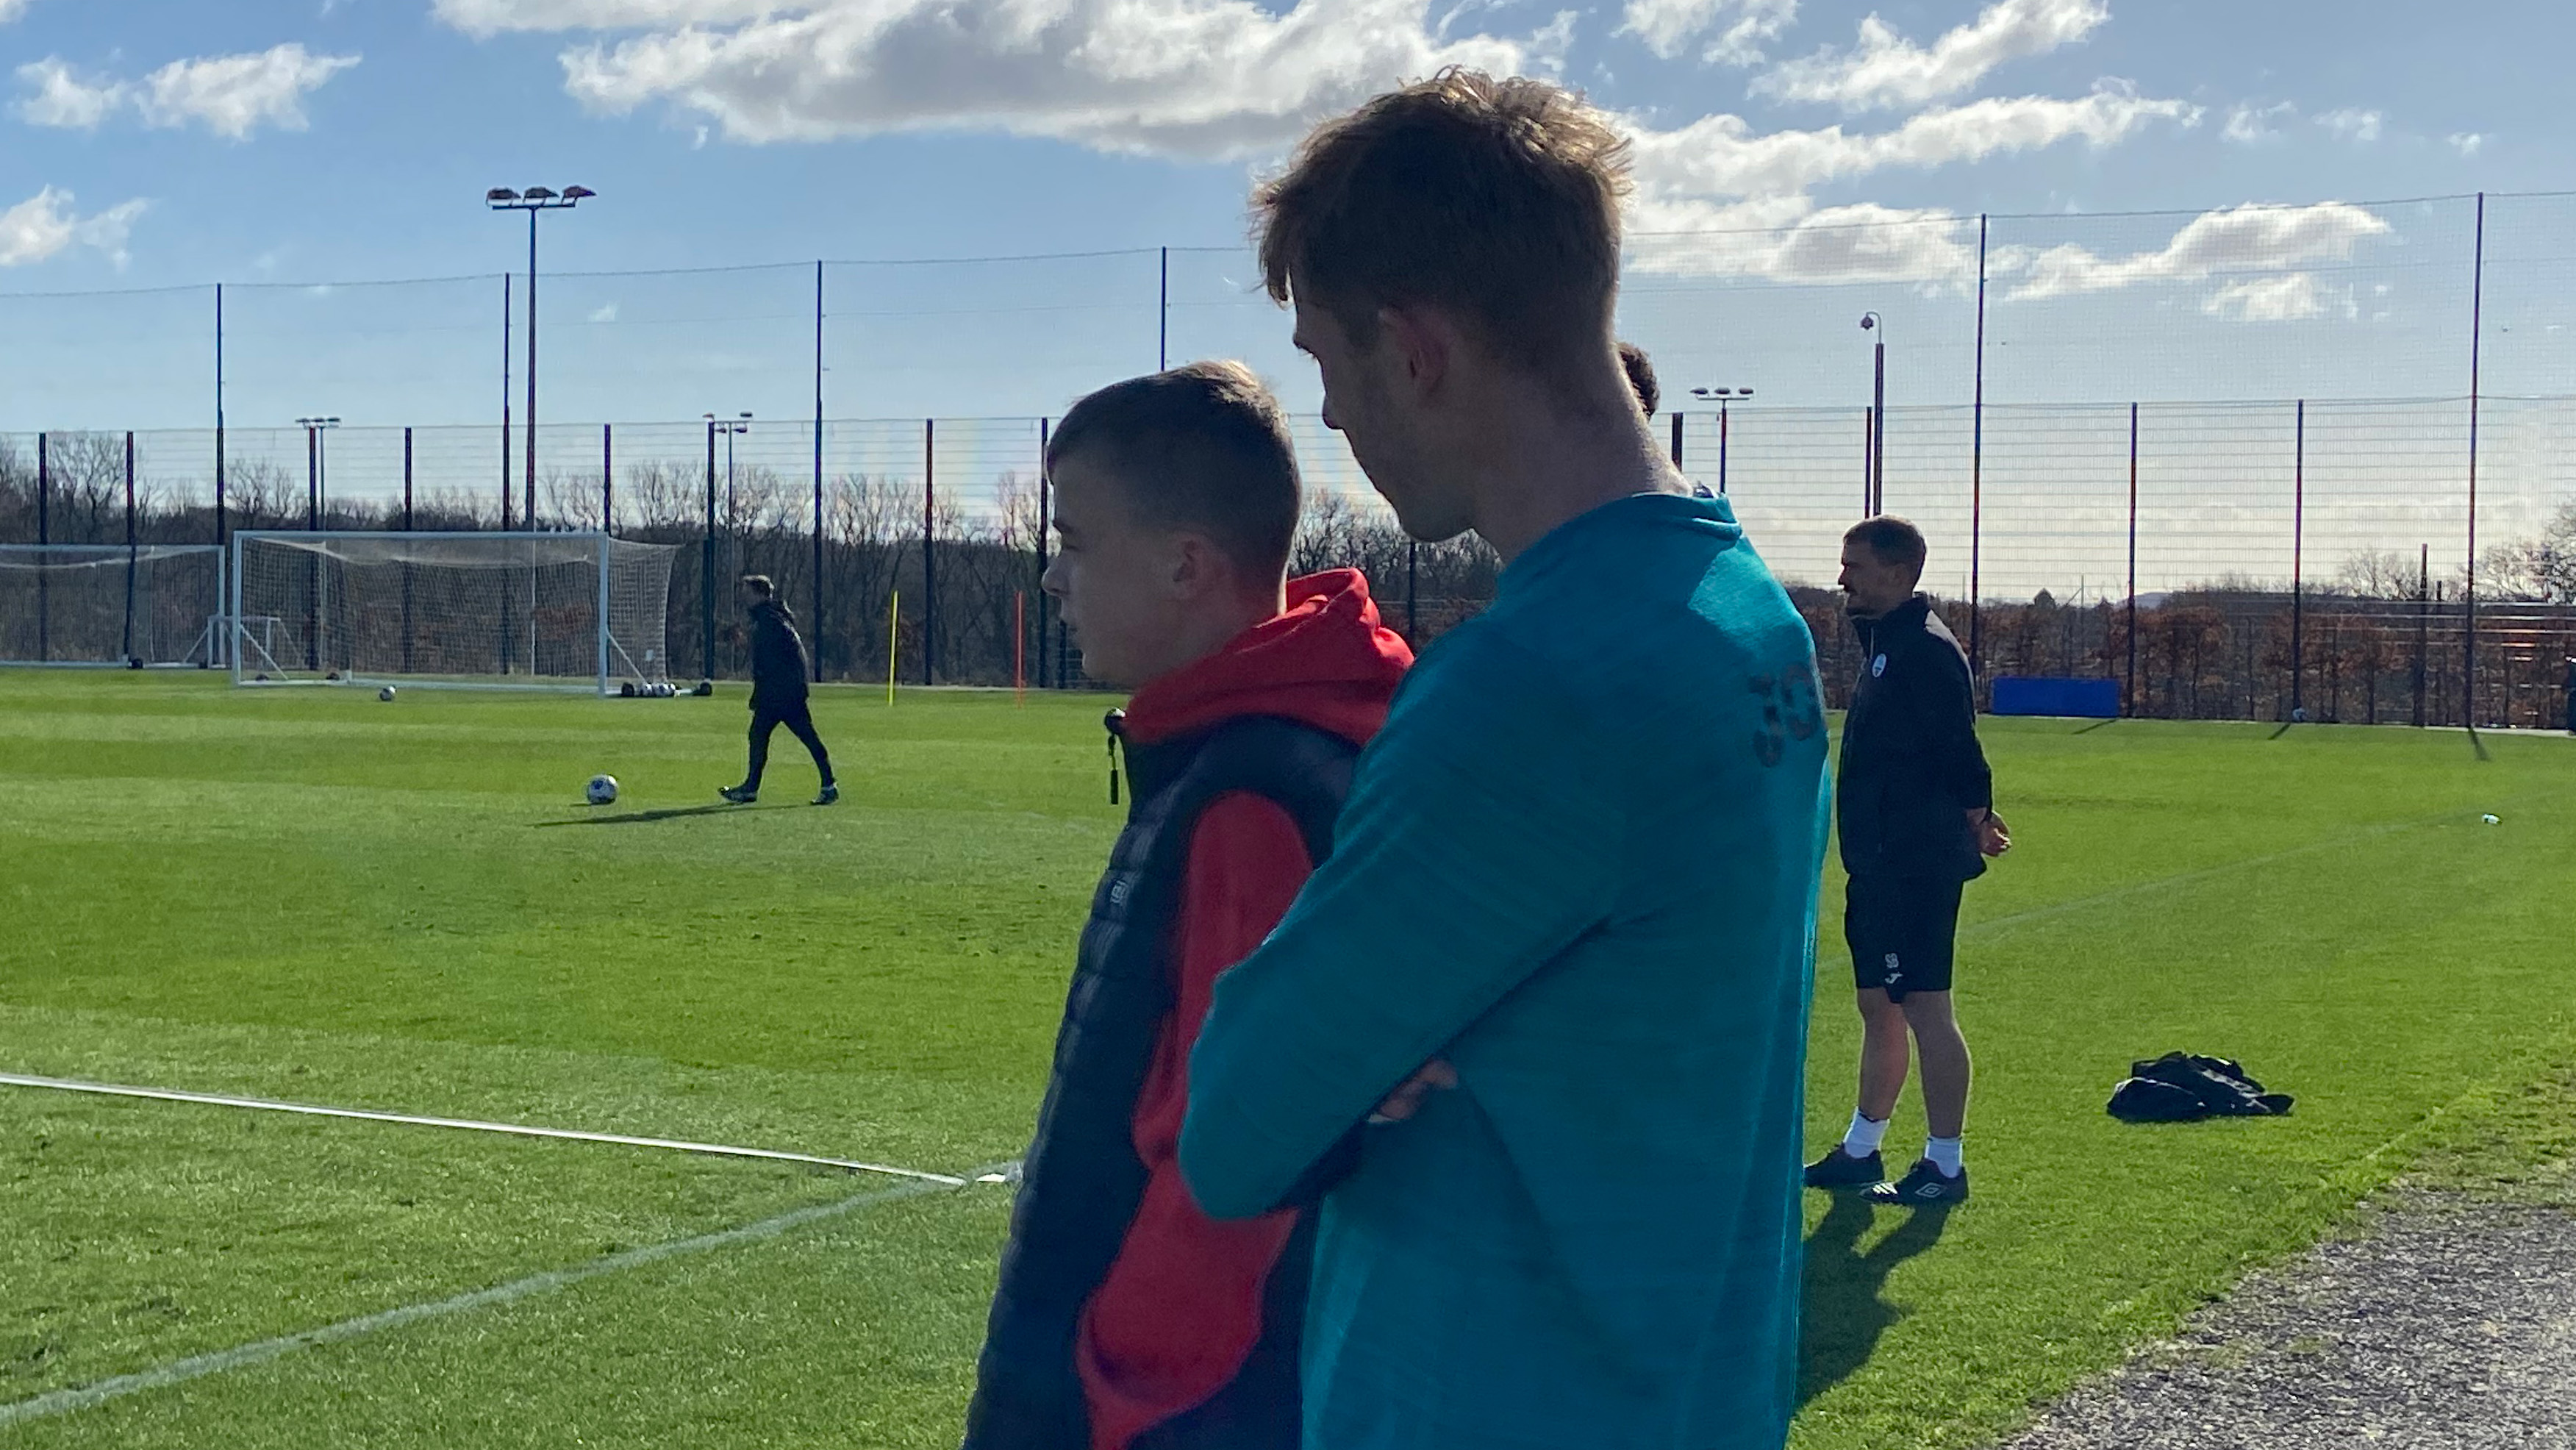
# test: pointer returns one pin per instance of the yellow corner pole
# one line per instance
(894, 632)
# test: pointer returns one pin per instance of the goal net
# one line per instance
(507, 611)
(111, 604)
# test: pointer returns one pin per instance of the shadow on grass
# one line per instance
(2477, 744)
(1843, 1315)
(2284, 730)
(2096, 725)
(637, 818)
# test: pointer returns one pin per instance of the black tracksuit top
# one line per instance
(1911, 765)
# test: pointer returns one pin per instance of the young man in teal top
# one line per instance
(1536, 1031)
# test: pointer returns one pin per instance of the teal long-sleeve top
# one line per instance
(1580, 863)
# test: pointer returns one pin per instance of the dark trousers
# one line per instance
(799, 722)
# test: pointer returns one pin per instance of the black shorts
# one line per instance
(1902, 930)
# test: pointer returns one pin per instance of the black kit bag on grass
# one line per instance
(2180, 1087)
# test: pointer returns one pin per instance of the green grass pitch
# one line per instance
(311, 895)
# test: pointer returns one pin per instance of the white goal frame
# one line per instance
(207, 638)
(253, 637)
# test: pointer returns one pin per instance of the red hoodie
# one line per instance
(1180, 1308)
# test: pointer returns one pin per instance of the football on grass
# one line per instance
(602, 790)
(386, 693)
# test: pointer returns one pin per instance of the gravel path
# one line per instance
(2448, 1324)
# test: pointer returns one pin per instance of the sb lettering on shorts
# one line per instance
(1791, 710)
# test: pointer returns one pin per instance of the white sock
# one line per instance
(1863, 1137)
(1944, 1153)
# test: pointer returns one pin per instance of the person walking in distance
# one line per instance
(778, 695)
(1915, 806)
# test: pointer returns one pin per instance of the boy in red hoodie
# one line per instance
(1126, 1319)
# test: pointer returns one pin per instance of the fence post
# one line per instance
(505, 414)
(929, 563)
(1412, 575)
(2298, 544)
(219, 413)
(128, 647)
(44, 535)
(2423, 628)
(1163, 317)
(1721, 446)
(607, 476)
(312, 478)
(1046, 509)
(1677, 440)
(2131, 704)
(818, 472)
(2469, 593)
(1977, 473)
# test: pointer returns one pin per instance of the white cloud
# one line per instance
(605, 312)
(46, 224)
(1199, 78)
(2249, 125)
(2291, 297)
(1723, 156)
(1790, 240)
(2352, 124)
(484, 19)
(230, 95)
(1884, 69)
(233, 95)
(63, 99)
(12, 9)
(1667, 27)
(1548, 47)
(2223, 242)
(2467, 143)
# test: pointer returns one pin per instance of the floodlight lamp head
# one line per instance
(1868, 320)
(500, 195)
(538, 193)
(578, 193)
(1744, 392)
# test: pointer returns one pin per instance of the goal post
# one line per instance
(527, 611)
(109, 605)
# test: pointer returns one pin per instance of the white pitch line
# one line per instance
(60, 1402)
(521, 1130)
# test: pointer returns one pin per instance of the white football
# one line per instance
(386, 693)
(602, 790)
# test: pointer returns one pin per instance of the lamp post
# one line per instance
(1874, 478)
(707, 546)
(317, 468)
(1722, 397)
(533, 201)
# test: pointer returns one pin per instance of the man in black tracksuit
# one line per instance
(1913, 805)
(777, 691)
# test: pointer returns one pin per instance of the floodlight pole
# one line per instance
(1874, 479)
(317, 447)
(534, 200)
(707, 567)
(1722, 397)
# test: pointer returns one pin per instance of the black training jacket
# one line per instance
(1911, 765)
(1082, 1179)
(777, 657)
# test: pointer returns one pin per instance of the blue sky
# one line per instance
(167, 143)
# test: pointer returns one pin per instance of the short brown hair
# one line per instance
(759, 584)
(1204, 446)
(1892, 540)
(1497, 200)
(1641, 376)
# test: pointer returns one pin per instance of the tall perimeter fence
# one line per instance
(2250, 462)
